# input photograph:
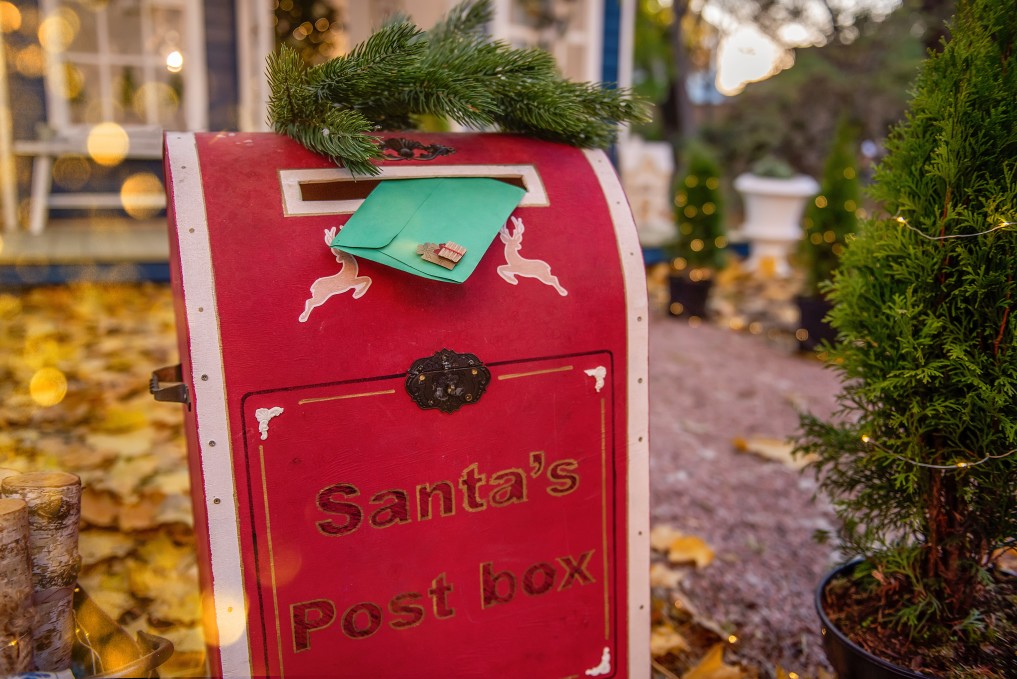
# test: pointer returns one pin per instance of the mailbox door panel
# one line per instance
(390, 530)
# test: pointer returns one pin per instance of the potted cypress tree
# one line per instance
(829, 219)
(922, 468)
(697, 251)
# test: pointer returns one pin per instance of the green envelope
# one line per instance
(401, 214)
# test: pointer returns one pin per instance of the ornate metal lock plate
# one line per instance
(447, 381)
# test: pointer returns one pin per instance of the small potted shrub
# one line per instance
(698, 249)
(829, 219)
(922, 465)
(774, 198)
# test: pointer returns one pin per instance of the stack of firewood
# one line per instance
(39, 566)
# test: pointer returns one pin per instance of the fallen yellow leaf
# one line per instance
(185, 639)
(662, 576)
(781, 673)
(126, 475)
(776, 450)
(98, 545)
(175, 509)
(113, 603)
(98, 508)
(175, 482)
(665, 639)
(1006, 559)
(688, 548)
(661, 537)
(712, 666)
(141, 515)
(130, 444)
(117, 420)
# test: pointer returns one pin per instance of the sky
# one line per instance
(745, 54)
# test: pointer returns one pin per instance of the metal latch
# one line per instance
(176, 392)
(447, 380)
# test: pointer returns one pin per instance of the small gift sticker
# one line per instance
(443, 254)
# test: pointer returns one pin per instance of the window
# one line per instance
(138, 63)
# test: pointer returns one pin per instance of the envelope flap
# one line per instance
(400, 215)
(385, 212)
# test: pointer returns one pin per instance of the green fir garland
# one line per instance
(453, 71)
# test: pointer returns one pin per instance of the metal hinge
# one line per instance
(176, 392)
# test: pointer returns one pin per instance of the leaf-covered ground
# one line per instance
(74, 367)
(731, 565)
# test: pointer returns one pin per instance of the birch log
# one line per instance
(54, 508)
(16, 612)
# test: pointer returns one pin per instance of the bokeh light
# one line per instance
(108, 144)
(56, 33)
(71, 172)
(174, 61)
(48, 387)
(164, 96)
(30, 62)
(10, 17)
(74, 82)
(141, 195)
(224, 630)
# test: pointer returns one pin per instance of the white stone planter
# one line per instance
(773, 216)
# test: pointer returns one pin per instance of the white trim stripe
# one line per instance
(638, 414)
(209, 402)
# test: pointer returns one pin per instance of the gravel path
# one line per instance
(708, 386)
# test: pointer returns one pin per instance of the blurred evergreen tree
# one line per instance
(699, 214)
(833, 215)
(311, 27)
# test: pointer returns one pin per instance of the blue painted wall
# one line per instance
(221, 56)
(612, 42)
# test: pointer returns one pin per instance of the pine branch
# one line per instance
(295, 111)
(466, 18)
(454, 71)
(388, 56)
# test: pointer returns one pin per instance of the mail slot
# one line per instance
(397, 476)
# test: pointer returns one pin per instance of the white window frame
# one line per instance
(586, 35)
(255, 41)
(195, 94)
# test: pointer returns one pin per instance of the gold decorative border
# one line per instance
(271, 561)
(603, 503)
(512, 376)
(305, 401)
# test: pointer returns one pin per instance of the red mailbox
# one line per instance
(395, 476)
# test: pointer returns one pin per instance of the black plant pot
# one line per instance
(688, 297)
(849, 660)
(812, 310)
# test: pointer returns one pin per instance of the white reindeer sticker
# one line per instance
(517, 265)
(346, 279)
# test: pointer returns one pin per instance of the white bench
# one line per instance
(143, 144)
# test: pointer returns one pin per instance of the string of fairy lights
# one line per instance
(1002, 225)
(955, 466)
(960, 464)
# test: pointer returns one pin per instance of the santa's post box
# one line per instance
(400, 475)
